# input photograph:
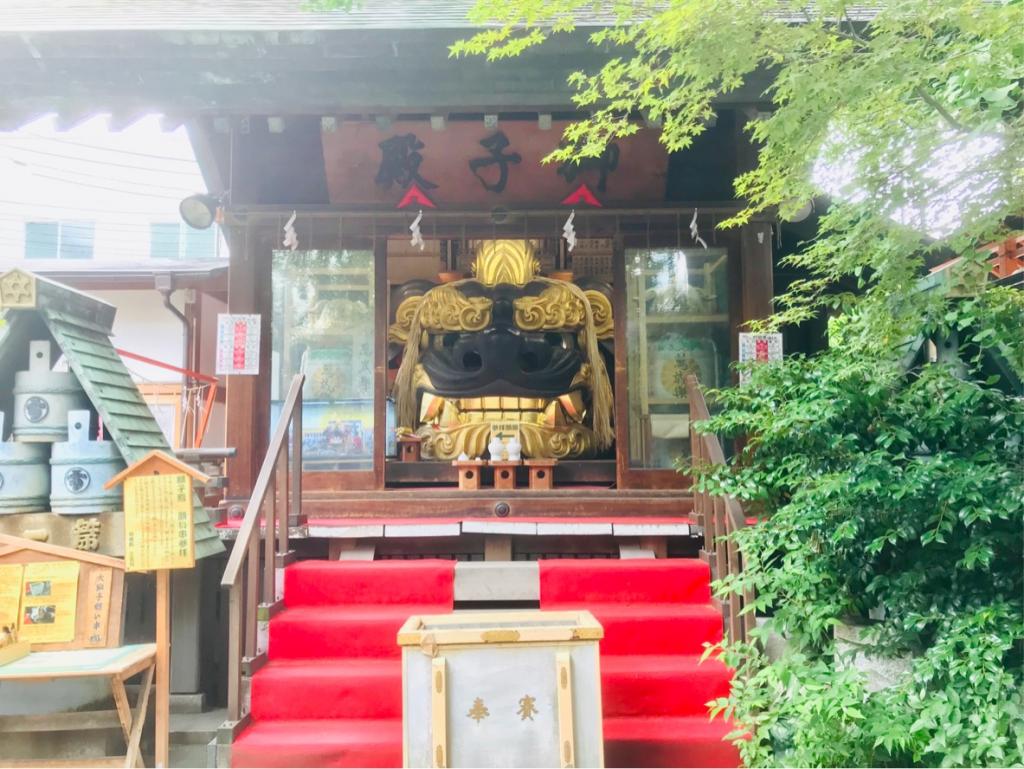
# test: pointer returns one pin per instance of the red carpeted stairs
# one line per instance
(656, 614)
(330, 694)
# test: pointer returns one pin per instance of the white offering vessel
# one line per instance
(515, 449)
(496, 449)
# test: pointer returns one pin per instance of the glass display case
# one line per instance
(677, 323)
(323, 327)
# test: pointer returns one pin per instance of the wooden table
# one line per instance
(118, 664)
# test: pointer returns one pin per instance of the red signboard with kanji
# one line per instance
(468, 164)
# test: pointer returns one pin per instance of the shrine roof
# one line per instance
(270, 15)
(237, 15)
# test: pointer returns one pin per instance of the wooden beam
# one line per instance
(756, 251)
(199, 135)
(62, 722)
(488, 503)
(120, 121)
(71, 119)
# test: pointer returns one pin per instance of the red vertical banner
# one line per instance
(238, 347)
(761, 350)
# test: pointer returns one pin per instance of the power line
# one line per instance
(78, 159)
(72, 143)
(9, 223)
(109, 189)
(173, 193)
(112, 210)
(31, 167)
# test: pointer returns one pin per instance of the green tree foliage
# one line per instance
(879, 486)
(890, 488)
(868, 99)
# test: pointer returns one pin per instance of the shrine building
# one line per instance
(463, 376)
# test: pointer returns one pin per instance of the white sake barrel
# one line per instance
(24, 476)
(43, 398)
(79, 468)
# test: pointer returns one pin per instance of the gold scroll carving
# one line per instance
(445, 308)
(555, 308)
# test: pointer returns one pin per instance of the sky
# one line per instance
(122, 180)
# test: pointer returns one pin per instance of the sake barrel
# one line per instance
(43, 398)
(79, 468)
(24, 476)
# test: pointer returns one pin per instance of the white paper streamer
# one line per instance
(569, 231)
(694, 233)
(291, 237)
(417, 236)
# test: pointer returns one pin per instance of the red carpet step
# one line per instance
(320, 742)
(638, 581)
(316, 583)
(331, 693)
(657, 616)
(649, 684)
(345, 688)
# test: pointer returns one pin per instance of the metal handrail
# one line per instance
(277, 496)
(719, 516)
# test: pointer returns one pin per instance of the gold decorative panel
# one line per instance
(506, 261)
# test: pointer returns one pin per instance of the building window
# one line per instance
(323, 327)
(174, 240)
(677, 323)
(59, 240)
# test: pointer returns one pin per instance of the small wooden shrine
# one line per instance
(36, 314)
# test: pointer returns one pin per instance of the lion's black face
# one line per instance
(502, 359)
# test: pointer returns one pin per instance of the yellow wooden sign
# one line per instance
(10, 595)
(158, 522)
(49, 602)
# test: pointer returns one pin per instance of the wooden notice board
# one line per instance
(158, 522)
(59, 598)
(158, 537)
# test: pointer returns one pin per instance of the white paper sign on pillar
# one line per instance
(238, 344)
(759, 348)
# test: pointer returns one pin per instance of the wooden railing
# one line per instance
(720, 516)
(277, 500)
(211, 462)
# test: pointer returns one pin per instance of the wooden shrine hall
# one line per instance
(464, 376)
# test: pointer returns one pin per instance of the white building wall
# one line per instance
(145, 327)
(122, 182)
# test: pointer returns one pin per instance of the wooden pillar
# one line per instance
(248, 397)
(756, 259)
(163, 667)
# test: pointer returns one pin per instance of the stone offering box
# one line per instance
(501, 689)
